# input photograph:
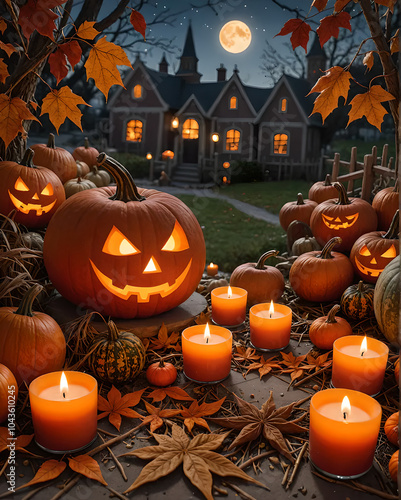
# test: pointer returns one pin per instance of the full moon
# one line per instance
(235, 36)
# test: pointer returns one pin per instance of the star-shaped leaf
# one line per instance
(292, 364)
(156, 415)
(369, 105)
(203, 318)
(193, 415)
(245, 354)
(165, 341)
(300, 32)
(267, 422)
(12, 113)
(196, 455)
(62, 104)
(172, 392)
(319, 362)
(264, 366)
(330, 26)
(87, 31)
(116, 406)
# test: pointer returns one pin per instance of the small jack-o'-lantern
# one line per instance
(124, 251)
(34, 193)
(167, 155)
(371, 252)
(346, 217)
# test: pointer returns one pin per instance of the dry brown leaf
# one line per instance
(369, 59)
(156, 415)
(47, 471)
(87, 466)
(172, 392)
(116, 406)
(193, 415)
(264, 366)
(165, 341)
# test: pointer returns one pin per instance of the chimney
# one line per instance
(163, 64)
(221, 73)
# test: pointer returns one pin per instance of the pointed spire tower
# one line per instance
(188, 69)
(316, 61)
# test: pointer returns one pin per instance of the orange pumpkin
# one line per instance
(31, 343)
(86, 153)
(34, 193)
(321, 276)
(386, 203)
(393, 466)
(391, 428)
(263, 283)
(8, 391)
(59, 160)
(326, 329)
(296, 210)
(123, 251)
(322, 190)
(161, 373)
(347, 218)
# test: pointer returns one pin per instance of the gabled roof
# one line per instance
(301, 88)
(241, 87)
(258, 96)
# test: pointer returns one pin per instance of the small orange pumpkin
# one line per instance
(161, 373)
(296, 210)
(322, 190)
(391, 428)
(325, 330)
(393, 466)
(8, 391)
(86, 153)
(54, 158)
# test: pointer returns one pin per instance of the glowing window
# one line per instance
(138, 92)
(190, 129)
(233, 102)
(232, 140)
(280, 144)
(134, 131)
(283, 105)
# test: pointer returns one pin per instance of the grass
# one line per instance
(268, 195)
(344, 146)
(232, 237)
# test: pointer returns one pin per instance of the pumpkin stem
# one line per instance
(261, 262)
(300, 199)
(27, 158)
(25, 306)
(327, 181)
(86, 143)
(360, 286)
(332, 313)
(126, 189)
(328, 247)
(161, 363)
(393, 230)
(114, 333)
(51, 143)
(342, 194)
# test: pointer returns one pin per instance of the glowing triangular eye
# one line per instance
(364, 251)
(390, 253)
(48, 190)
(177, 241)
(20, 185)
(117, 244)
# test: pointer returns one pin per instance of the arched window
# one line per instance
(280, 144)
(283, 105)
(134, 131)
(232, 139)
(233, 102)
(190, 129)
(138, 92)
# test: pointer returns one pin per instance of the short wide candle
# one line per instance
(212, 269)
(206, 361)
(61, 423)
(229, 305)
(351, 370)
(343, 447)
(270, 330)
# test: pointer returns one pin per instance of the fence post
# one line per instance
(352, 165)
(367, 180)
(336, 167)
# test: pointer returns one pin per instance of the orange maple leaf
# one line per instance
(165, 341)
(300, 32)
(193, 415)
(369, 59)
(172, 392)
(7, 47)
(319, 4)
(87, 31)
(330, 26)
(12, 113)
(62, 104)
(395, 43)
(3, 71)
(87, 466)
(38, 15)
(340, 4)
(3, 25)
(102, 63)
(368, 105)
(58, 60)
(387, 3)
(138, 22)
(156, 415)
(115, 406)
(333, 85)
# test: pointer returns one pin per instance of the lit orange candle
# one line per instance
(270, 326)
(64, 410)
(359, 363)
(206, 352)
(343, 434)
(212, 269)
(229, 305)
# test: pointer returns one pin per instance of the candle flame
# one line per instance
(229, 292)
(364, 346)
(271, 308)
(206, 335)
(346, 407)
(63, 385)
(211, 264)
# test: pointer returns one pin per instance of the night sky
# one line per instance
(263, 17)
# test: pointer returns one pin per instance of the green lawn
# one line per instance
(268, 195)
(232, 237)
(344, 146)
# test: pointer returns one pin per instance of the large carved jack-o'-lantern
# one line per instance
(124, 251)
(371, 252)
(33, 192)
(346, 217)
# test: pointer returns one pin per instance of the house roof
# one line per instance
(189, 46)
(316, 49)
(301, 88)
(258, 96)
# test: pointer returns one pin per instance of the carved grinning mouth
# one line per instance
(25, 208)
(337, 223)
(142, 292)
(367, 270)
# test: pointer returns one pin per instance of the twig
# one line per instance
(116, 461)
(116, 493)
(255, 458)
(310, 376)
(220, 491)
(112, 441)
(240, 492)
(296, 465)
(74, 479)
(106, 432)
(4, 467)
(286, 475)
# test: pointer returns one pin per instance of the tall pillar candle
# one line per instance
(229, 305)
(343, 438)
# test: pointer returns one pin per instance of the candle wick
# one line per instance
(345, 415)
(362, 353)
(270, 315)
(207, 340)
(64, 395)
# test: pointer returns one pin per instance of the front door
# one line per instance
(190, 136)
